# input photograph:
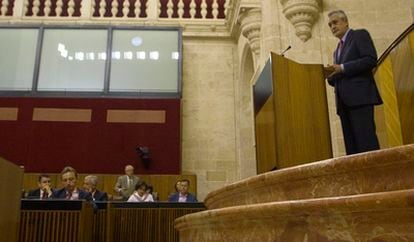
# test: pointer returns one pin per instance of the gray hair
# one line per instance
(92, 179)
(340, 13)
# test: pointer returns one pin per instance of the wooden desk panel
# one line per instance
(56, 220)
(147, 222)
(75, 221)
(99, 225)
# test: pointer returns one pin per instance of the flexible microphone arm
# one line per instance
(283, 52)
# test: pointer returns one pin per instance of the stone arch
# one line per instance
(245, 122)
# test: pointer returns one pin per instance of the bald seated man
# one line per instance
(125, 185)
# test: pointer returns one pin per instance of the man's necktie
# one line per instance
(68, 195)
(339, 50)
(44, 195)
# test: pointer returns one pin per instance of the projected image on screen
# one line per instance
(144, 61)
(90, 61)
(73, 60)
(17, 59)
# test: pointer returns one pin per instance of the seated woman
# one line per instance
(150, 190)
(140, 194)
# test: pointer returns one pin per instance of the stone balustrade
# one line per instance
(209, 17)
(138, 9)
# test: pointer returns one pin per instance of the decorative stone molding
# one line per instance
(250, 20)
(302, 14)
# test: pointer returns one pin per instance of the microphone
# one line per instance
(283, 52)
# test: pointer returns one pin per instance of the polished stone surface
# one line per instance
(367, 197)
(375, 217)
(378, 171)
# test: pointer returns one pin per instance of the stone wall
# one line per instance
(208, 113)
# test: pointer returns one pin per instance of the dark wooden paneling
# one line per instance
(67, 221)
(147, 222)
(265, 138)
(48, 220)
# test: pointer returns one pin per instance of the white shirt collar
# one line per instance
(345, 35)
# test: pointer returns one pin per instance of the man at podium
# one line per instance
(355, 89)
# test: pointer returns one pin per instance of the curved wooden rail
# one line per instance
(395, 43)
(395, 80)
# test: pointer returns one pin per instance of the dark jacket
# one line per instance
(100, 196)
(61, 194)
(35, 194)
(356, 85)
(175, 196)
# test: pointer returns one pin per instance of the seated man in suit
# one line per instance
(44, 191)
(69, 190)
(89, 184)
(125, 185)
(183, 196)
(177, 188)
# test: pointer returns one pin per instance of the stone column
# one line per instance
(250, 20)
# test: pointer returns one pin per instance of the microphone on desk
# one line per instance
(283, 52)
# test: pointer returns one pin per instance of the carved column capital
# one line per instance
(302, 14)
(250, 21)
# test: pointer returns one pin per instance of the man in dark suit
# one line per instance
(44, 191)
(89, 184)
(355, 89)
(69, 191)
(183, 195)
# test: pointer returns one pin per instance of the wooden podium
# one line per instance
(291, 114)
(11, 179)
